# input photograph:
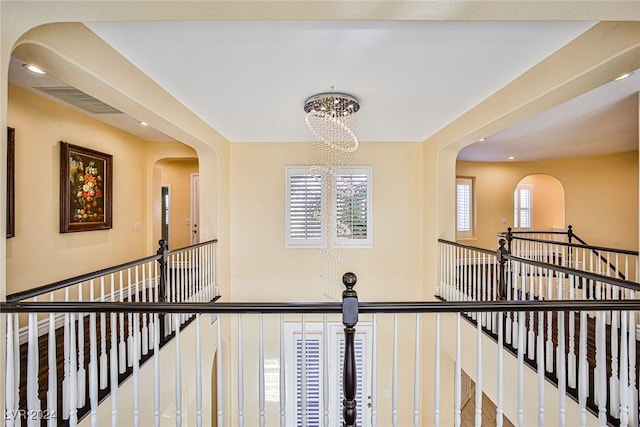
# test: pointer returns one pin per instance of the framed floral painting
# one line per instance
(85, 189)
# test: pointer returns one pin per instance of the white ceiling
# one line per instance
(249, 79)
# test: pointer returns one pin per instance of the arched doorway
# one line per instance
(539, 203)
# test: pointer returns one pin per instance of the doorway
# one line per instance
(194, 216)
(539, 203)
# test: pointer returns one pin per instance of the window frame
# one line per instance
(517, 209)
(336, 241)
(470, 182)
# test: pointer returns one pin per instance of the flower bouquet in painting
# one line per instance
(85, 189)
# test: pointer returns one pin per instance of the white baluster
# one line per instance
(136, 364)
(457, 410)
(530, 334)
(52, 392)
(374, 374)
(436, 375)
(179, 372)
(623, 384)
(153, 284)
(283, 379)
(198, 374)
(219, 401)
(122, 349)
(416, 377)
(325, 372)
(10, 379)
(33, 403)
(571, 361)
(601, 346)
(240, 374)
(129, 323)
(583, 366)
(103, 341)
(500, 385)
(303, 371)
(394, 374)
(113, 359)
(517, 319)
(478, 396)
(562, 369)
(520, 392)
(156, 370)
(144, 333)
(66, 387)
(540, 369)
(261, 370)
(633, 366)
(614, 382)
(82, 373)
(93, 364)
(73, 373)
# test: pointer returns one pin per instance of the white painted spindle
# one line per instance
(219, 401)
(10, 379)
(520, 383)
(261, 370)
(500, 385)
(416, 376)
(436, 375)
(283, 379)
(52, 392)
(240, 374)
(457, 410)
(478, 396)
(104, 377)
(374, 374)
(394, 374)
(325, 372)
(198, 374)
(178, 376)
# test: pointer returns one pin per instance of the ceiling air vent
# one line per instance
(79, 99)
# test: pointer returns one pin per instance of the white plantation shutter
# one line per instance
(304, 207)
(464, 207)
(350, 210)
(352, 207)
(522, 206)
(313, 382)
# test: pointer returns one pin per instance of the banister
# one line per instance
(461, 245)
(39, 290)
(581, 246)
(315, 308)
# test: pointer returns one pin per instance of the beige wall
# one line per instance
(177, 175)
(39, 254)
(548, 202)
(601, 196)
(264, 270)
(40, 124)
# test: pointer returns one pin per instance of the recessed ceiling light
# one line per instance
(144, 124)
(482, 139)
(34, 69)
(622, 77)
(511, 158)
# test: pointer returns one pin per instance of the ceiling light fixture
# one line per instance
(622, 77)
(144, 124)
(511, 158)
(482, 139)
(34, 69)
(329, 118)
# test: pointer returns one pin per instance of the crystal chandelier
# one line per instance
(330, 119)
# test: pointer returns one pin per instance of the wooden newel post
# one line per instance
(162, 281)
(502, 261)
(349, 373)
(509, 239)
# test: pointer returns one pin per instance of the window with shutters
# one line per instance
(350, 208)
(464, 207)
(321, 396)
(522, 201)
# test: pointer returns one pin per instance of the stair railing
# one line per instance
(565, 248)
(75, 373)
(589, 354)
(398, 336)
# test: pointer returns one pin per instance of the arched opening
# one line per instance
(173, 200)
(539, 203)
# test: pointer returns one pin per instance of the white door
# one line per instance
(194, 219)
(314, 365)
